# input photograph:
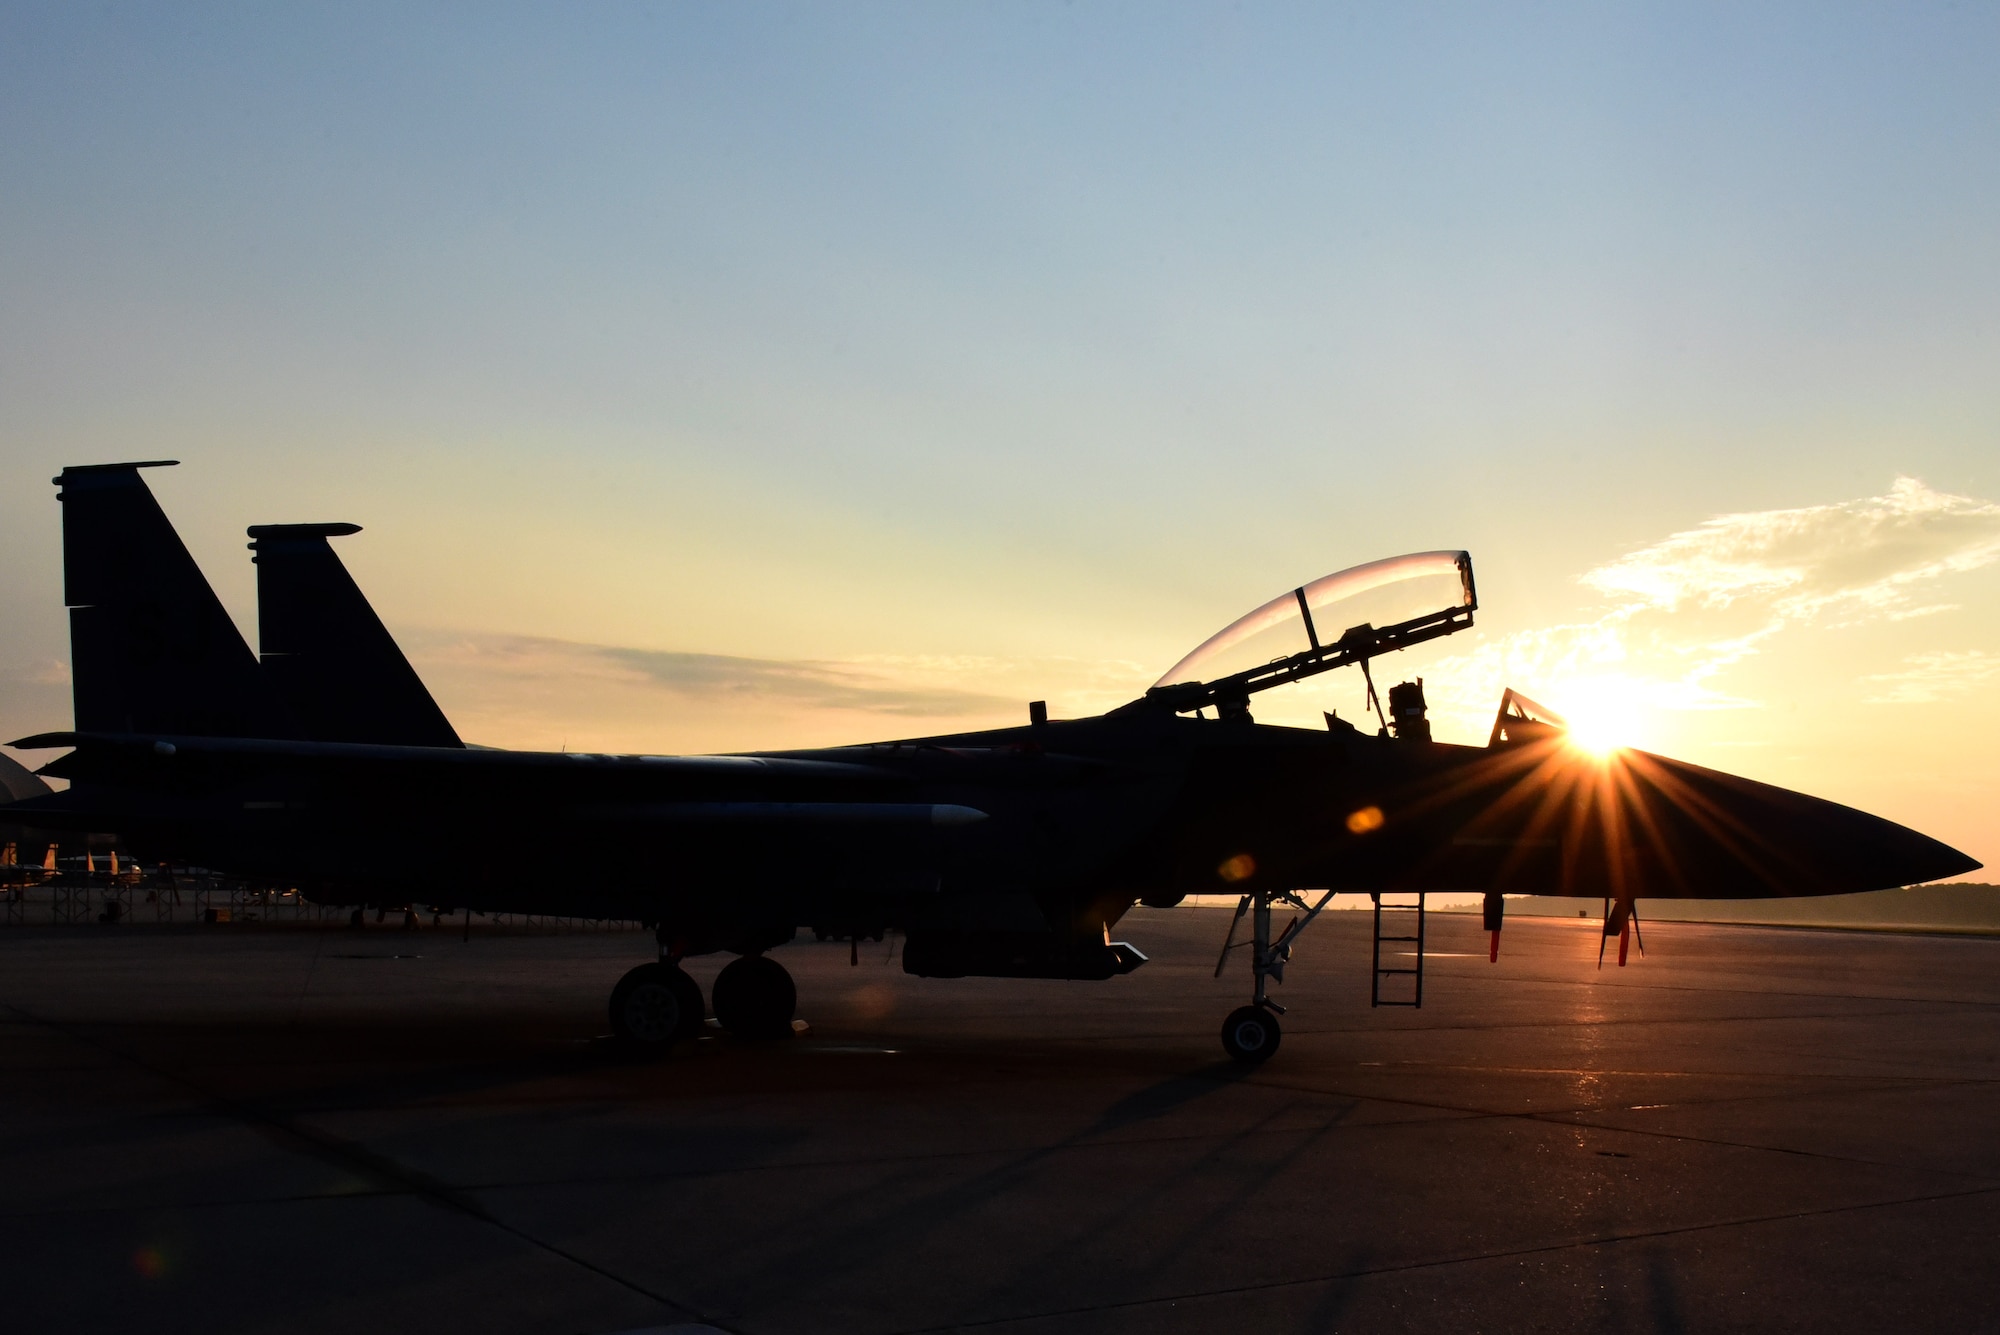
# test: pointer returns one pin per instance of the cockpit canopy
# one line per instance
(1363, 607)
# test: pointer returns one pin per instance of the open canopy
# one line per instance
(1381, 596)
(1347, 617)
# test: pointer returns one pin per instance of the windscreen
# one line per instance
(1381, 593)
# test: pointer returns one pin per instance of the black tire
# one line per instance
(1250, 1034)
(755, 998)
(653, 1007)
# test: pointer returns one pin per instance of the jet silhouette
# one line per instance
(325, 765)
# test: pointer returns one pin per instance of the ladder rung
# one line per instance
(1415, 974)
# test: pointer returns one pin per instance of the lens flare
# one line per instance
(1239, 868)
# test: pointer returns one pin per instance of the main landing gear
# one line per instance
(755, 998)
(1251, 1033)
(657, 1005)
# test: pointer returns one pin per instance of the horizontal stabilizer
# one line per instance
(18, 783)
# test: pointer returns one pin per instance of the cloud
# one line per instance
(1931, 677)
(825, 685)
(857, 687)
(1858, 557)
(513, 687)
(1684, 610)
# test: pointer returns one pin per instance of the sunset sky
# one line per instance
(716, 376)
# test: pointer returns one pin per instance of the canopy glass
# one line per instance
(1380, 593)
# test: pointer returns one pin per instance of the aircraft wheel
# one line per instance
(1250, 1034)
(754, 997)
(654, 1006)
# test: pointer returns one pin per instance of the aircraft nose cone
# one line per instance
(1543, 818)
(1856, 851)
(1736, 837)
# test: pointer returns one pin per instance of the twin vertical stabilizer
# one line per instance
(153, 651)
(151, 648)
(326, 652)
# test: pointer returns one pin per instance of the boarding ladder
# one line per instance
(1399, 919)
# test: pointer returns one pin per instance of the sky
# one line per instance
(719, 376)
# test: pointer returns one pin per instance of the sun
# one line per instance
(1599, 736)
(1601, 714)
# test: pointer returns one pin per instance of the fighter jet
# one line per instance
(1011, 852)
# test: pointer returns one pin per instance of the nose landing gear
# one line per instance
(1250, 1034)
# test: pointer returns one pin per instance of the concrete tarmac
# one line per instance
(224, 1129)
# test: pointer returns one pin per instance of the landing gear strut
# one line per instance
(1251, 1033)
(755, 998)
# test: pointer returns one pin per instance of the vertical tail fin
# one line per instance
(326, 652)
(151, 648)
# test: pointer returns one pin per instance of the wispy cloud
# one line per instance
(825, 685)
(1682, 611)
(855, 686)
(1864, 557)
(1936, 676)
(520, 690)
